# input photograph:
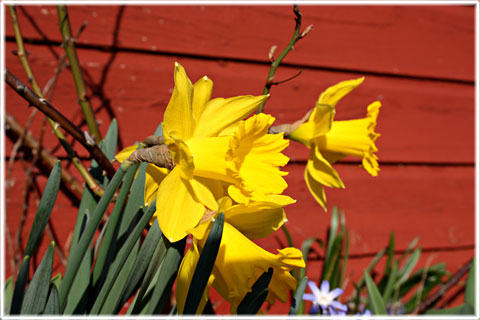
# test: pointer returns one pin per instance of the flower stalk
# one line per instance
(22, 55)
(83, 99)
(275, 63)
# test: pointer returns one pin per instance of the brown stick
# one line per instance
(30, 142)
(45, 107)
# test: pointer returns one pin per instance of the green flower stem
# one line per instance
(45, 107)
(68, 44)
(83, 245)
(276, 63)
(92, 184)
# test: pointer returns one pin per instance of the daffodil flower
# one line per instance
(212, 147)
(239, 263)
(323, 299)
(331, 140)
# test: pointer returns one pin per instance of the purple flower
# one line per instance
(323, 299)
(364, 312)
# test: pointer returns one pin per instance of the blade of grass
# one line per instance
(8, 293)
(375, 300)
(20, 285)
(52, 307)
(253, 300)
(298, 298)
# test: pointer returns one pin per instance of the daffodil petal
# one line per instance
(320, 170)
(202, 91)
(182, 156)
(220, 113)
(153, 177)
(316, 190)
(178, 119)
(334, 93)
(177, 208)
(203, 193)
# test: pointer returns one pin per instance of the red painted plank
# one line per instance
(425, 41)
(420, 121)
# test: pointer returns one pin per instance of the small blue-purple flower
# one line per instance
(323, 299)
(364, 312)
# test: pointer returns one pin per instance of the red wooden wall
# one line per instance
(418, 60)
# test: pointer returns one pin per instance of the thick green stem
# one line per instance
(276, 63)
(83, 99)
(92, 184)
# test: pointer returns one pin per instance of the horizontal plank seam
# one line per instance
(108, 48)
(316, 257)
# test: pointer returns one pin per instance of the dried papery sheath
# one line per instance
(158, 155)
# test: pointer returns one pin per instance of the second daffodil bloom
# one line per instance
(212, 148)
(331, 140)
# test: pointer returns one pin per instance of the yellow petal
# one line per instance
(209, 158)
(177, 208)
(334, 93)
(202, 91)
(320, 170)
(202, 192)
(125, 153)
(258, 219)
(220, 113)
(178, 119)
(316, 190)
(182, 156)
(153, 177)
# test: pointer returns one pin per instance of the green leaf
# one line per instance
(408, 250)
(108, 246)
(44, 210)
(407, 268)
(391, 251)
(345, 252)
(37, 291)
(122, 256)
(204, 266)
(76, 258)
(52, 307)
(141, 301)
(390, 282)
(331, 252)
(168, 273)
(20, 285)
(287, 235)
(298, 298)
(252, 302)
(370, 267)
(470, 286)
(375, 300)
(111, 140)
(159, 131)
(8, 292)
(144, 257)
(461, 309)
(306, 247)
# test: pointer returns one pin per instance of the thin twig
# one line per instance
(12, 125)
(31, 78)
(83, 99)
(11, 251)
(443, 289)
(45, 107)
(275, 63)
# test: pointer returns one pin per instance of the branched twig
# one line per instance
(83, 99)
(275, 63)
(45, 107)
(30, 142)
(31, 78)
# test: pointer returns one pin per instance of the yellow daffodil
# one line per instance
(330, 140)
(239, 263)
(211, 146)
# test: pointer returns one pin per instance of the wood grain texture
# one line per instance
(420, 41)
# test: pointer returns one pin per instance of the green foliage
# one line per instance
(253, 300)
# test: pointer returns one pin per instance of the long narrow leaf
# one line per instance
(331, 241)
(407, 268)
(375, 301)
(44, 210)
(253, 300)
(470, 286)
(204, 266)
(168, 273)
(52, 307)
(75, 259)
(298, 298)
(8, 293)
(121, 258)
(20, 285)
(37, 291)
(145, 255)
(390, 282)
(391, 251)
